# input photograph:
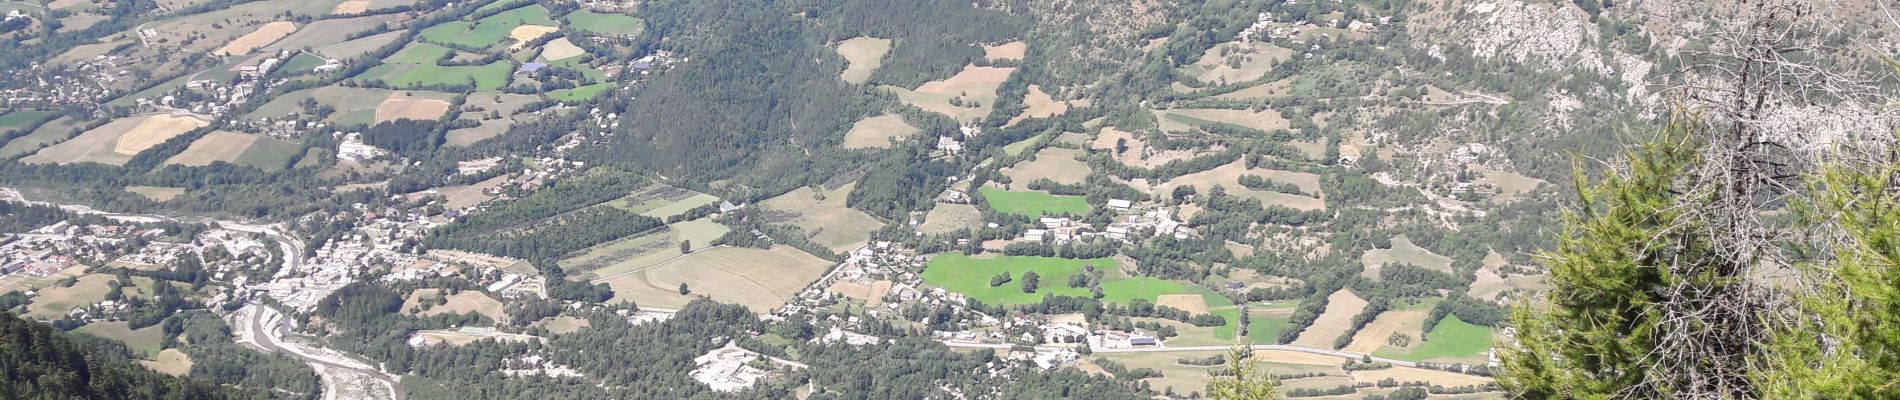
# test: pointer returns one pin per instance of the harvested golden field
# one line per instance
(971, 75)
(973, 91)
(758, 279)
(1405, 374)
(1403, 251)
(1228, 177)
(1179, 120)
(154, 130)
(528, 33)
(478, 108)
(642, 251)
(468, 301)
(216, 146)
(946, 218)
(878, 132)
(23, 282)
(1054, 163)
(156, 193)
(401, 105)
(1006, 51)
(351, 7)
(1267, 91)
(871, 292)
(54, 302)
(1190, 378)
(563, 324)
(464, 196)
(1237, 62)
(1182, 378)
(662, 201)
(1312, 149)
(66, 4)
(1038, 104)
(1340, 308)
(169, 362)
(116, 142)
(1135, 152)
(87, 52)
(863, 54)
(263, 36)
(824, 217)
(1192, 303)
(1511, 185)
(1487, 284)
(1409, 321)
(560, 49)
(1297, 357)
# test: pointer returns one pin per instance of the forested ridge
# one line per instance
(38, 362)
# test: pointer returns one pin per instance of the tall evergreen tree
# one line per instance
(1248, 380)
(1844, 345)
(1629, 256)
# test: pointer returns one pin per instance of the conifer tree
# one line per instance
(1844, 344)
(1618, 261)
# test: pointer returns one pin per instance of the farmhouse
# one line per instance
(353, 149)
(949, 145)
(506, 282)
(1112, 339)
(1064, 333)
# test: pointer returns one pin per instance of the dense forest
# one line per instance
(761, 88)
(38, 362)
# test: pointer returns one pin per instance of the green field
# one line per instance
(405, 76)
(144, 341)
(354, 106)
(1032, 204)
(269, 154)
(21, 119)
(971, 276)
(1264, 329)
(302, 63)
(578, 66)
(418, 53)
(500, 5)
(612, 24)
(1452, 339)
(1021, 145)
(48, 133)
(488, 31)
(579, 93)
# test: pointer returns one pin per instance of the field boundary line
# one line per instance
(655, 265)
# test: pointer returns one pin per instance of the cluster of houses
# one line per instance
(49, 249)
(380, 239)
(880, 265)
(221, 97)
(46, 87)
(1158, 221)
